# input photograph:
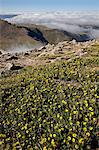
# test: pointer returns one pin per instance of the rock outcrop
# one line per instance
(50, 53)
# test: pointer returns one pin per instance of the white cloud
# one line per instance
(74, 22)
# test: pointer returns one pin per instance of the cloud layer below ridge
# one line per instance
(74, 22)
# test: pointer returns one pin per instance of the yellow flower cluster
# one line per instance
(50, 107)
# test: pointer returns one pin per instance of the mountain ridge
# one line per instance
(15, 37)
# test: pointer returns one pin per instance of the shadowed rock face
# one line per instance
(79, 37)
(54, 36)
(37, 35)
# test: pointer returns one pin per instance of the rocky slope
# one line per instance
(50, 53)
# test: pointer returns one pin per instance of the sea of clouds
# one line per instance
(71, 21)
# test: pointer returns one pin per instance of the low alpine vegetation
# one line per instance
(52, 107)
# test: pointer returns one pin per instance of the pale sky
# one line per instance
(47, 5)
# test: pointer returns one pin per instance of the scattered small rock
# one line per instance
(14, 67)
(8, 66)
(73, 42)
(41, 48)
(81, 53)
(26, 54)
(49, 61)
(49, 46)
(11, 66)
(0, 53)
(12, 58)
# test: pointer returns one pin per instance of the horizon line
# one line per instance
(33, 11)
